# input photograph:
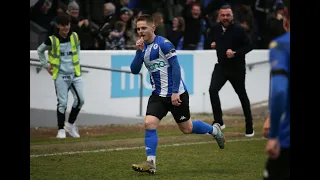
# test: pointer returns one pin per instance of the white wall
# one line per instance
(113, 93)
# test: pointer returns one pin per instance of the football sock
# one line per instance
(153, 158)
(151, 142)
(200, 127)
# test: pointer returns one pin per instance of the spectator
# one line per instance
(62, 9)
(160, 27)
(105, 25)
(119, 4)
(275, 24)
(43, 12)
(193, 28)
(80, 25)
(130, 34)
(244, 16)
(109, 19)
(262, 9)
(175, 31)
(115, 40)
(98, 43)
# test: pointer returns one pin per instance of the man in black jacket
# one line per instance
(232, 44)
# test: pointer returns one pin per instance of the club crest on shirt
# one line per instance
(155, 46)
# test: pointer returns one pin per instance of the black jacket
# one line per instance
(234, 38)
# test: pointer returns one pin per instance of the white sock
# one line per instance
(149, 158)
(214, 131)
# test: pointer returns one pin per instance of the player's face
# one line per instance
(64, 29)
(225, 17)
(145, 30)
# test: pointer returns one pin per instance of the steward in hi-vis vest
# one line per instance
(54, 54)
(64, 67)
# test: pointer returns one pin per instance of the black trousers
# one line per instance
(278, 169)
(236, 76)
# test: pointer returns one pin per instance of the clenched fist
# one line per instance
(213, 45)
(230, 53)
(139, 44)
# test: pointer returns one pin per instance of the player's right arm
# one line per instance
(279, 86)
(41, 49)
(278, 95)
(136, 64)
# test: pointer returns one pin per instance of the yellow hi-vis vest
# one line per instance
(54, 54)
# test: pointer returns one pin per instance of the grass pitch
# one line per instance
(107, 152)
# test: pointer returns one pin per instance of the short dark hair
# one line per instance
(226, 6)
(145, 17)
(196, 4)
(63, 19)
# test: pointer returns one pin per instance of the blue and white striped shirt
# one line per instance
(160, 58)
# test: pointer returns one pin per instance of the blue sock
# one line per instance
(151, 142)
(200, 127)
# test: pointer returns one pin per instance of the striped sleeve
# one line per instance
(168, 49)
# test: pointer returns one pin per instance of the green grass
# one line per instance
(131, 135)
(242, 159)
(239, 160)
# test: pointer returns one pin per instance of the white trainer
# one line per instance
(223, 126)
(61, 133)
(71, 129)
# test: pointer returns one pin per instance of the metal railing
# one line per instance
(104, 69)
(39, 68)
(251, 65)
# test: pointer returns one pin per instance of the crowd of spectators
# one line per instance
(110, 24)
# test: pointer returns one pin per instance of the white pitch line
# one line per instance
(138, 147)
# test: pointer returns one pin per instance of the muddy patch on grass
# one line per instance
(167, 124)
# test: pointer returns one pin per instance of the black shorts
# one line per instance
(159, 107)
(278, 169)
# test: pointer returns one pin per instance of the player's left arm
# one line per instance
(246, 43)
(170, 54)
(278, 87)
